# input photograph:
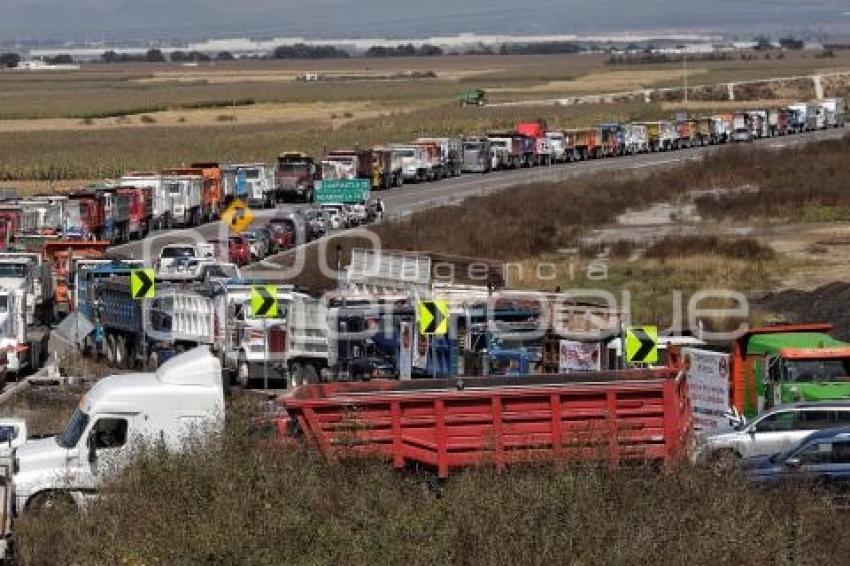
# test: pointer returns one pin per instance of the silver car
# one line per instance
(774, 431)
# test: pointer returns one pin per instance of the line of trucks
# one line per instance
(518, 376)
(128, 208)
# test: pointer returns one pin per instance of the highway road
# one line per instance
(405, 200)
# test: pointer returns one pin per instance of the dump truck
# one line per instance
(788, 363)
(806, 116)
(26, 310)
(476, 155)
(63, 257)
(445, 425)
(518, 148)
(559, 145)
(743, 127)
(636, 140)
(613, 139)
(834, 111)
(387, 169)
(134, 333)
(213, 191)
(451, 158)
(43, 214)
(211, 194)
(537, 132)
(724, 127)
(295, 177)
(415, 165)
(661, 135)
(186, 193)
(10, 224)
(140, 210)
(252, 183)
(588, 142)
(293, 345)
(346, 164)
(161, 209)
(686, 134)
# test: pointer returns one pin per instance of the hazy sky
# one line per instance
(94, 19)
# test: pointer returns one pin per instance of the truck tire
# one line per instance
(295, 375)
(311, 375)
(152, 363)
(121, 353)
(243, 372)
(49, 500)
(110, 349)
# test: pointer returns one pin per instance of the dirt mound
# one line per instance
(829, 303)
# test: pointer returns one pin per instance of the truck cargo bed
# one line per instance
(630, 415)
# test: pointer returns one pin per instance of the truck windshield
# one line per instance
(498, 143)
(405, 152)
(174, 188)
(472, 146)
(294, 168)
(817, 371)
(177, 252)
(74, 430)
(251, 173)
(13, 270)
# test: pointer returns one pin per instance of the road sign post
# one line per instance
(433, 321)
(642, 345)
(142, 283)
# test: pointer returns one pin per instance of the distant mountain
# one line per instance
(194, 19)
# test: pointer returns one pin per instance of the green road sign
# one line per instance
(642, 344)
(263, 301)
(142, 284)
(345, 191)
(434, 317)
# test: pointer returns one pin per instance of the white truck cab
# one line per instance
(182, 398)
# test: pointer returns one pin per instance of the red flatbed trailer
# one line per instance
(641, 415)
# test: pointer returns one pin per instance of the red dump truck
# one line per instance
(10, 223)
(100, 212)
(445, 424)
(588, 142)
(140, 200)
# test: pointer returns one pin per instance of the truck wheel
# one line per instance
(50, 500)
(152, 362)
(121, 353)
(311, 376)
(110, 350)
(243, 372)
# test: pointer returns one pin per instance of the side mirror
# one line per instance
(792, 463)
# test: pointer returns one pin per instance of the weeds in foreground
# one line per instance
(248, 500)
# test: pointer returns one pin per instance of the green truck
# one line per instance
(785, 364)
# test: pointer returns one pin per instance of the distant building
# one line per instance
(39, 65)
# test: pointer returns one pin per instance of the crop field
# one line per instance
(70, 126)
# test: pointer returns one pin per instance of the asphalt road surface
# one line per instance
(411, 198)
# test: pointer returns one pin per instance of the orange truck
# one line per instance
(212, 196)
(63, 257)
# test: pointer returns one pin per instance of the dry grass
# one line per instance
(245, 501)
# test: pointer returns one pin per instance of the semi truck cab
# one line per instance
(181, 399)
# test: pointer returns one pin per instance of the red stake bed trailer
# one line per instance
(641, 415)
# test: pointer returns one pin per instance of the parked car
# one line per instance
(266, 233)
(821, 458)
(258, 242)
(283, 234)
(240, 250)
(318, 223)
(338, 220)
(774, 431)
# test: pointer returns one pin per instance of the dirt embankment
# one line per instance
(828, 303)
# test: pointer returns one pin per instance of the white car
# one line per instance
(775, 431)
